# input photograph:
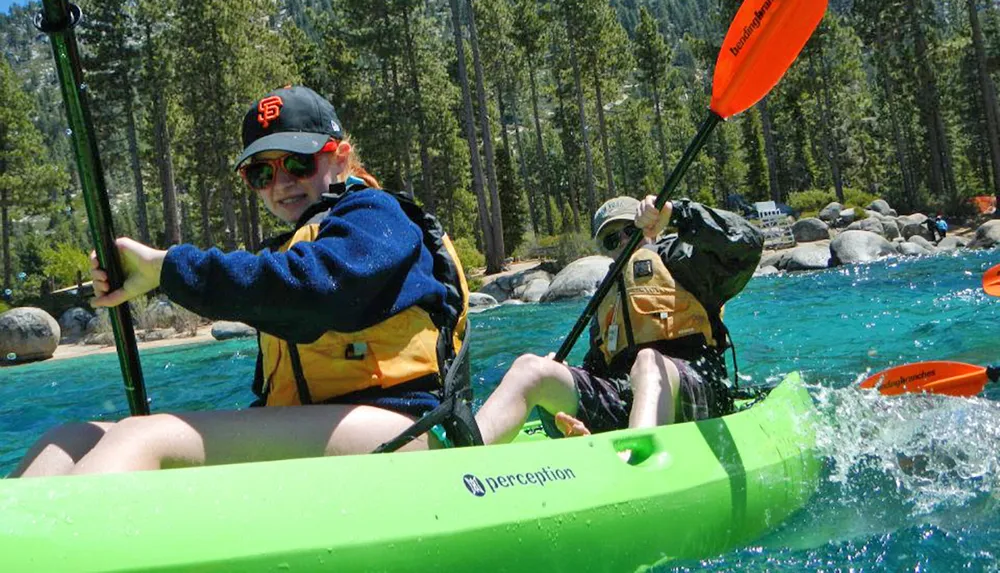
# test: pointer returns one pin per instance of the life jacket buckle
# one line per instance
(356, 351)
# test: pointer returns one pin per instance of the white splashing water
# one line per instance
(940, 451)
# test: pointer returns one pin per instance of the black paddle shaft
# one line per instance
(57, 20)
(668, 188)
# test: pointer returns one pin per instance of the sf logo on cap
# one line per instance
(268, 109)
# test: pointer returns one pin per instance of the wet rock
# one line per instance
(27, 334)
(766, 271)
(579, 279)
(481, 301)
(859, 247)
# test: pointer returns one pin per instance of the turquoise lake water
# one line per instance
(834, 326)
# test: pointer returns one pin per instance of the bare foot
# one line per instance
(570, 426)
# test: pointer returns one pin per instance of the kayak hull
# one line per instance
(688, 491)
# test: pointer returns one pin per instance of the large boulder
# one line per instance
(880, 207)
(513, 285)
(27, 334)
(579, 279)
(160, 313)
(952, 243)
(766, 271)
(859, 247)
(810, 229)
(73, 323)
(807, 258)
(924, 243)
(846, 217)
(871, 224)
(987, 235)
(890, 228)
(831, 212)
(535, 290)
(225, 330)
(481, 301)
(912, 249)
(914, 225)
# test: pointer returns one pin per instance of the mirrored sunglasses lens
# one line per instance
(259, 175)
(611, 242)
(299, 165)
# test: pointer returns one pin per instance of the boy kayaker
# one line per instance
(359, 310)
(657, 341)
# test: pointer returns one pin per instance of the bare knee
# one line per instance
(652, 370)
(60, 448)
(533, 375)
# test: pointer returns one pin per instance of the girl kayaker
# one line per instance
(359, 309)
(657, 340)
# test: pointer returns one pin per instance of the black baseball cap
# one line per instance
(293, 119)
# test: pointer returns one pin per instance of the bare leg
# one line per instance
(531, 381)
(59, 449)
(655, 386)
(257, 434)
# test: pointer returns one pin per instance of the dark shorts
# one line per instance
(605, 403)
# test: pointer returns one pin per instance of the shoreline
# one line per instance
(75, 350)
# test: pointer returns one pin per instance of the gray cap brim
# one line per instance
(612, 219)
(292, 142)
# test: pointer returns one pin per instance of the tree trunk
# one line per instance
(142, 220)
(540, 151)
(942, 177)
(770, 150)
(205, 202)
(584, 137)
(661, 138)
(499, 252)
(426, 174)
(603, 129)
(831, 148)
(470, 136)
(902, 155)
(574, 200)
(161, 145)
(989, 96)
(5, 221)
(528, 188)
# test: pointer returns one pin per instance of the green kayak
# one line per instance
(688, 491)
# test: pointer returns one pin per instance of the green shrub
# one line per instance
(468, 254)
(810, 201)
(572, 246)
(63, 262)
(475, 283)
(4, 307)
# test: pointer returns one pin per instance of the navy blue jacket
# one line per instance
(367, 264)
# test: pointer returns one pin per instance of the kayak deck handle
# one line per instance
(642, 450)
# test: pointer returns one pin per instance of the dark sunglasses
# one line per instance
(261, 172)
(612, 241)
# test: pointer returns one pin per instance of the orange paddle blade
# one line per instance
(762, 42)
(991, 281)
(938, 377)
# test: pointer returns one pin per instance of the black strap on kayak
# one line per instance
(454, 412)
(300, 379)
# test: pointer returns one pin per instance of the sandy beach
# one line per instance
(74, 350)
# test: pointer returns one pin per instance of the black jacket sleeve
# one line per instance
(713, 254)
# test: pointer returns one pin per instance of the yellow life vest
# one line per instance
(403, 348)
(649, 306)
